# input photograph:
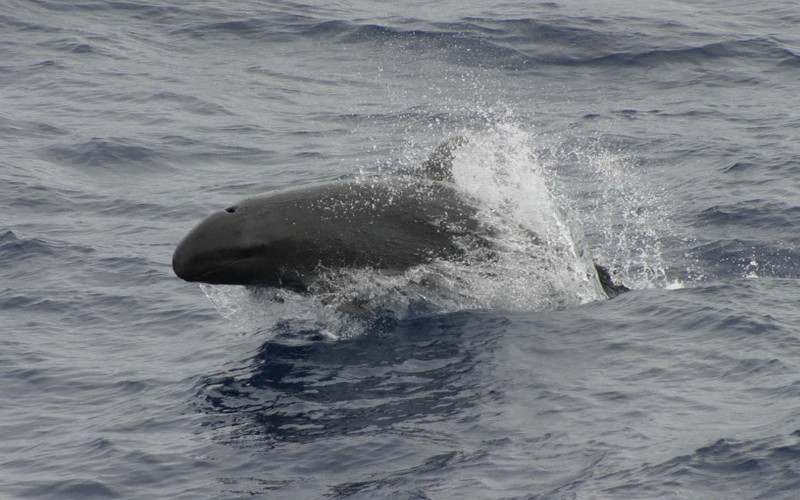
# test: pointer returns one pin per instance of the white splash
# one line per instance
(264, 309)
(631, 224)
(542, 260)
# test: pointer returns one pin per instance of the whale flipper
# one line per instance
(611, 288)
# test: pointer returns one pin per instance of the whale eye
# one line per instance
(230, 210)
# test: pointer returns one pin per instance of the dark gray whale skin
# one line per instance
(286, 238)
(282, 239)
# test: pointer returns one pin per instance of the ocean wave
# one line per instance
(513, 43)
(17, 249)
(11, 129)
(246, 28)
(111, 153)
(758, 214)
(12, 246)
(760, 468)
(752, 49)
(508, 43)
(742, 258)
(71, 488)
(50, 200)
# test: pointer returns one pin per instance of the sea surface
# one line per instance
(661, 139)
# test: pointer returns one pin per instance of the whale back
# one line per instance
(285, 238)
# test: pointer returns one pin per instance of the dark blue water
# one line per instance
(661, 138)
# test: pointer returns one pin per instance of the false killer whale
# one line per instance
(283, 239)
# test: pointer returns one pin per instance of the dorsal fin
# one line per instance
(439, 165)
(612, 289)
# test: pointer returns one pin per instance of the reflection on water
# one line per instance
(296, 389)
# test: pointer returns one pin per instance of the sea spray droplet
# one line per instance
(544, 262)
(625, 215)
(264, 310)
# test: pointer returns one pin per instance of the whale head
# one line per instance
(229, 248)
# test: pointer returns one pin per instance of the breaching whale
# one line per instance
(284, 239)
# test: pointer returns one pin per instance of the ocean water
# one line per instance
(658, 138)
